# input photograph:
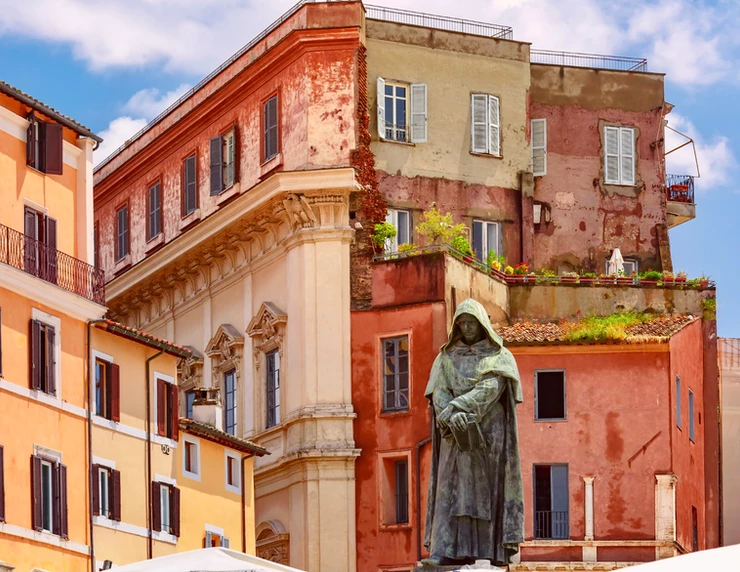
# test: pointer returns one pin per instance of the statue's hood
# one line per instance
(476, 310)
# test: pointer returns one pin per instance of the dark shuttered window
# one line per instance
(402, 491)
(44, 150)
(224, 161)
(49, 496)
(189, 186)
(230, 400)
(154, 220)
(43, 357)
(2, 484)
(106, 492)
(395, 373)
(166, 508)
(122, 233)
(167, 409)
(217, 180)
(107, 390)
(273, 388)
(270, 124)
(40, 243)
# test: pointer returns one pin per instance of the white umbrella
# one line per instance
(206, 560)
(725, 559)
(616, 263)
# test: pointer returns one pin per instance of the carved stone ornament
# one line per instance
(267, 329)
(226, 349)
(300, 212)
(273, 542)
(190, 370)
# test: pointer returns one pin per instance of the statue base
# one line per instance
(479, 565)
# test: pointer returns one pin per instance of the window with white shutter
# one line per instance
(485, 127)
(539, 147)
(486, 237)
(401, 220)
(619, 155)
(402, 111)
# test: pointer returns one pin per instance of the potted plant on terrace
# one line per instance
(509, 273)
(462, 246)
(704, 281)
(667, 278)
(588, 278)
(438, 228)
(520, 272)
(607, 279)
(681, 277)
(384, 232)
(569, 278)
(650, 277)
(495, 262)
(546, 276)
(626, 280)
(407, 248)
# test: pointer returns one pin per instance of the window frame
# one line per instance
(272, 387)
(543, 147)
(534, 501)
(231, 375)
(679, 420)
(401, 466)
(489, 150)
(237, 463)
(383, 376)
(188, 405)
(165, 507)
(228, 163)
(620, 155)
(264, 128)
(47, 494)
(394, 129)
(634, 262)
(103, 470)
(484, 237)
(386, 471)
(537, 418)
(191, 444)
(184, 212)
(158, 211)
(692, 412)
(392, 244)
(126, 235)
(38, 139)
(106, 388)
(172, 412)
(55, 324)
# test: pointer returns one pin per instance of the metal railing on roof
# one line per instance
(575, 59)
(438, 22)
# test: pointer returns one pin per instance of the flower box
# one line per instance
(645, 282)
(625, 281)
(568, 279)
(588, 280)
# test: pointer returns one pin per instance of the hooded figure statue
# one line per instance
(475, 507)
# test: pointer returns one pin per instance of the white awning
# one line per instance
(725, 559)
(206, 560)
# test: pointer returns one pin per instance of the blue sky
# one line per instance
(114, 64)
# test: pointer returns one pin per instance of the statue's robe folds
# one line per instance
(475, 506)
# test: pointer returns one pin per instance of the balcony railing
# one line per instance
(575, 59)
(38, 259)
(680, 188)
(550, 524)
(439, 22)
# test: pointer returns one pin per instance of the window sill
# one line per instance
(388, 414)
(393, 527)
(154, 243)
(560, 420)
(189, 220)
(164, 537)
(122, 264)
(192, 476)
(407, 143)
(271, 164)
(160, 440)
(233, 489)
(227, 194)
(486, 155)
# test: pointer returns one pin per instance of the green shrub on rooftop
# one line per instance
(605, 328)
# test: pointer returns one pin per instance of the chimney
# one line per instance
(207, 407)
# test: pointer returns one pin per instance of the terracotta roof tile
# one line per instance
(138, 335)
(658, 330)
(210, 432)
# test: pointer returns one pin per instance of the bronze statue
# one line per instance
(475, 507)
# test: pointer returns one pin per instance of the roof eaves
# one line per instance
(211, 433)
(145, 339)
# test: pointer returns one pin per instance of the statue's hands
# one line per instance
(459, 421)
(445, 415)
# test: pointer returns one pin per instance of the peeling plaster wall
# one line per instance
(589, 218)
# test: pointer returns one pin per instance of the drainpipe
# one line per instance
(90, 479)
(150, 542)
(417, 462)
(244, 505)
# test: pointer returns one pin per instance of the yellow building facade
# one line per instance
(49, 290)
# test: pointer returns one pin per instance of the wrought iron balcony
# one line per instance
(551, 525)
(680, 188)
(49, 264)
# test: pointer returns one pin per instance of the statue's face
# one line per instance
(470, 329)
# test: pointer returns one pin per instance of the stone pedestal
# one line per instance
(479, 565)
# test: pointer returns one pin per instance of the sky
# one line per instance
(113, 65)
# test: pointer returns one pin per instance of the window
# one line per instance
(43, 357)
(230, 401)
(96, 247)
(214, 539)
(40, 245)
(167, 409)
(402, 221)
(630, 267)
(678, 402)
(549, 395)
(273, 388)
(2, 484)
(233, 472)
(44, 146)
(485, 133)
(397, 102)
(189, 400)
(122, 233)
(107, 390)
(394, 482)
(189, 186)
(551, 502)
(154, 221)
(191, 458)
(691, 415)
(49, 498)
(402, 491)
(166, 508)
(223, 161)
(395, 373)
(539, 147)
(270, 126)
(107, 492)
(694, 529)
(486, 237)
(619, 155)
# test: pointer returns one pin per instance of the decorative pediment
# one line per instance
(267, 329)
(273, 542)
(190, 370)
(225, 348)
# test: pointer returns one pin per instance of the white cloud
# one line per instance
(148, 103)
(118, 132)
(715, 157)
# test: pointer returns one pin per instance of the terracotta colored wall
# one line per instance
(316, 95)
(688, 457)
(590, 218)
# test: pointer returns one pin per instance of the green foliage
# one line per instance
(494, 260)
(548, 273)
(605, 328)
(588, 275)
(383, 231)
(406, 247)
(651, 275)
(462, 245)
(438, 228)
(709, 307)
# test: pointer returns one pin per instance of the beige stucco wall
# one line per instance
(729, 363)
(453, 66)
